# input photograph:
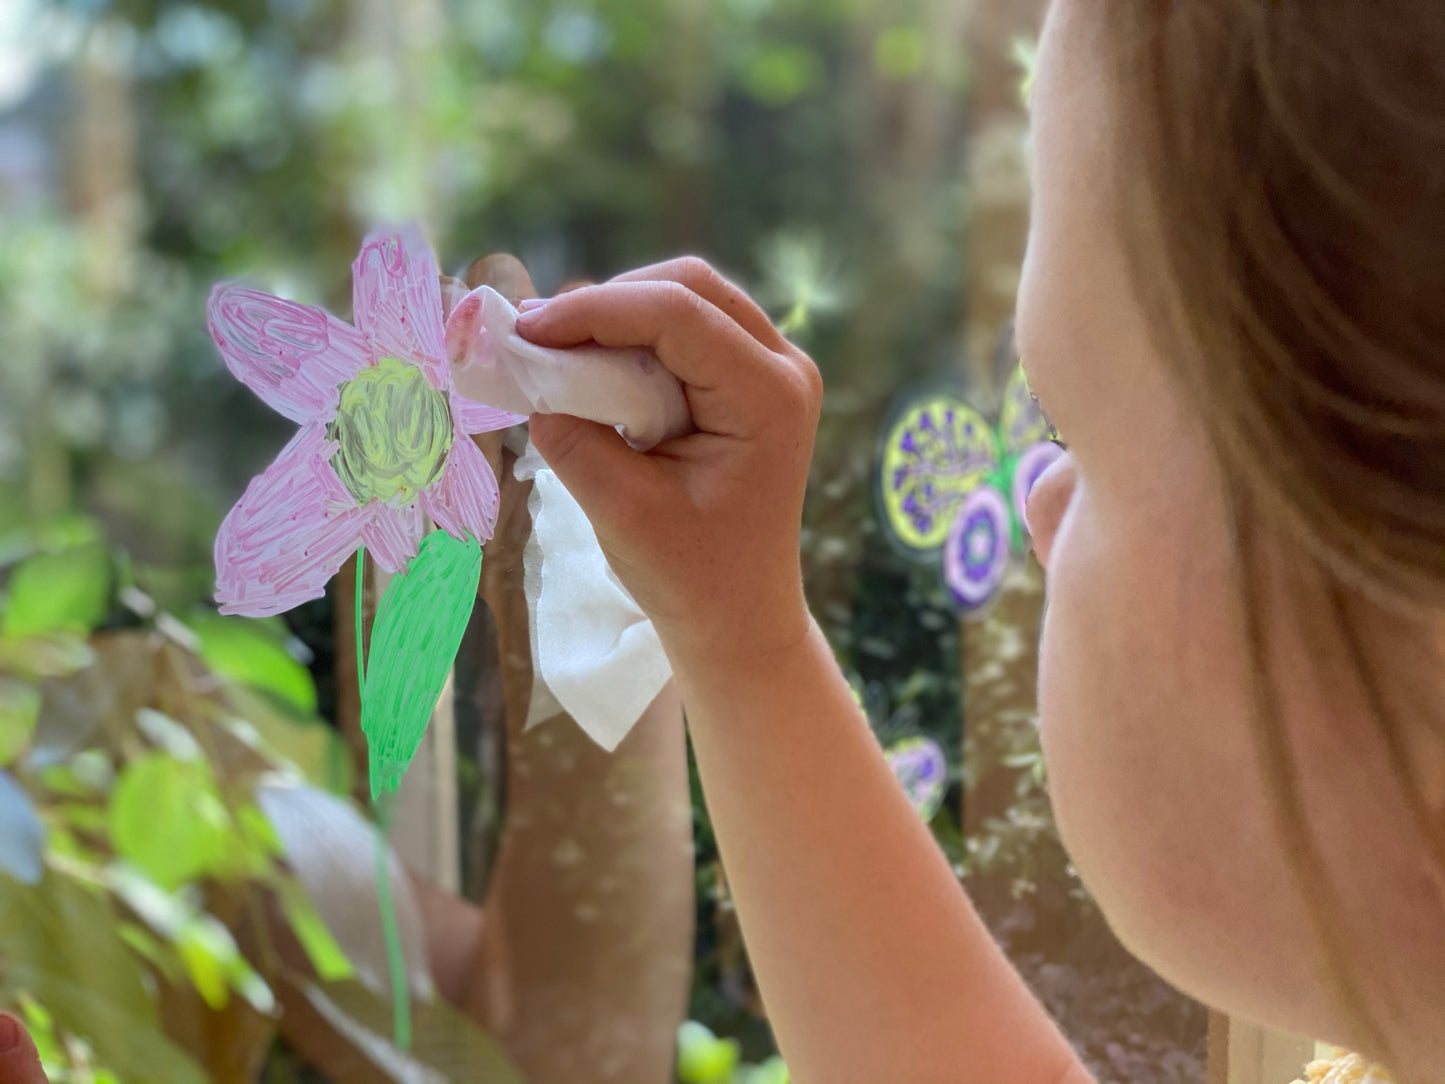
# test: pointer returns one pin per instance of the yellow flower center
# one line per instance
(393, 431)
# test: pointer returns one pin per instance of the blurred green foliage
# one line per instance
(139, 872)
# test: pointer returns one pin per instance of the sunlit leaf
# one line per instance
(205, 947)
(703, 1058)
(41, 1026)
(19, 712)
(22, 836)
(204, 967)
(320, 946)
(167, 735)
(167, 819)
(58, 592)
(253, 652)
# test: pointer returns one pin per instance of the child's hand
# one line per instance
(703, 530)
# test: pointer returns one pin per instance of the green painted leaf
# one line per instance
(321, 948)
(414, 641)
(19, 712)
(167, 819)
(67, 591)
(61, 944)
(253, 652)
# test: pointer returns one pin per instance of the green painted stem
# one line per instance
(360, 616)
(390, 928)
(395, 958)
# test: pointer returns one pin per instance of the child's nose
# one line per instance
(1047, 502)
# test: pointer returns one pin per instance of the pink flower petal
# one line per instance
(289, 533)
(474, 417)
(293, 356)
(452, 292)
(393, 534)
(464, 500)
(397, 300)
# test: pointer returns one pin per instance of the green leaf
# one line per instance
(216, 967)
(145, 945)
(53, 655)
(442, 1038)
(167, 819)
(168, 735)
(414, 641)
(20, 538)
(205, 968)
(67, 591)
(205, 947)
(703, 1058)
(41, 1026)
(19, 712)
(81, 817)
(253, 652)
(321, 948)
(61, 944)
(303, 742)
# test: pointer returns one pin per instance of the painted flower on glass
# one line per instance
(385, 447)
(954, 483)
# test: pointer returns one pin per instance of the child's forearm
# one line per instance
(872, 962)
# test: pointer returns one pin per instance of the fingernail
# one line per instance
(532, 304)
(10, 1033)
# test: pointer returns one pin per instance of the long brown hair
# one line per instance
(1284, 177)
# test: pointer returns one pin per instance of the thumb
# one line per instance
(592, 460)
(19, 1060)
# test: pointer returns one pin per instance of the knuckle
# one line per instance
(798, 390)
(812, 378)
(693, 272)
(680, 301)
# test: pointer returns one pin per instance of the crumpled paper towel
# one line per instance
(595, 655)
(628, 388)
(592, 646)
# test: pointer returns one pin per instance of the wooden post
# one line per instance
(1241, 1053)
(587, 926)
